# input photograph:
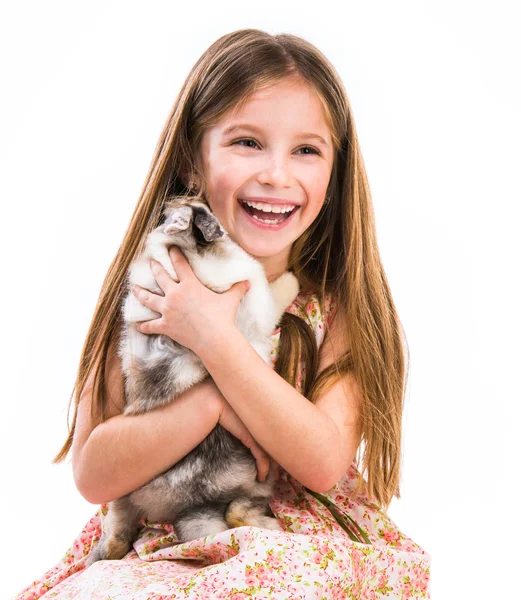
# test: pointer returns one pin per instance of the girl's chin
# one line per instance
(261, 251)
(260, 248)
(258, 241)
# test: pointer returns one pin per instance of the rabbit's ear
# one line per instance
(178, 219)
(208, 225)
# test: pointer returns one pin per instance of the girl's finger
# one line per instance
(148, 299)
(239, 288)
(180, 264)
(262, 460)
(161, 275)
(147, 327)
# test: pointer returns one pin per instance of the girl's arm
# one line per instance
(126, 451)
(315, 443)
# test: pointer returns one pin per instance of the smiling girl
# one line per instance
(263, 132)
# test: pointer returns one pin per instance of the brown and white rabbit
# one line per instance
(214, 487)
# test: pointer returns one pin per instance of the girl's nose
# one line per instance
(275, 173)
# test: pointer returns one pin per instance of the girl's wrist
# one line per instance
(211, 346)
(210, 397)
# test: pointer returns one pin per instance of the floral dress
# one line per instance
(336, 545)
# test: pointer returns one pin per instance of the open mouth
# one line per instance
(267, 217)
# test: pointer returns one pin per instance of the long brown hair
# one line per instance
(337, 254)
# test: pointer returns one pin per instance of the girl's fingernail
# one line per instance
(135, 289)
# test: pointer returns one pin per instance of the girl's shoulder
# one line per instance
(308, 306)
(317, 314)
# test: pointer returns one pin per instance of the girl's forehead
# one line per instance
(285, 89)
(288, 104)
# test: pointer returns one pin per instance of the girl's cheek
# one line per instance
(315, 183)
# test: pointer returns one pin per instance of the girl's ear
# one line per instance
(189, 179)
(184, 176)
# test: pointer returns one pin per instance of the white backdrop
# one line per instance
(435, 92)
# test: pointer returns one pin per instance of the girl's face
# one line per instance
(276, 151)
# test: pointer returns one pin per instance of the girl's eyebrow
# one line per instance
(258, 130)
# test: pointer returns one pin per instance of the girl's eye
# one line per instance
(248, 140)
(245, 140)
(313, 150)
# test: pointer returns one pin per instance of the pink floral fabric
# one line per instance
(313, 557)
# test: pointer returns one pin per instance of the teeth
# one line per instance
(270, 221)
(274, 208)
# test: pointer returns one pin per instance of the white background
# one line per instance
(435, 92)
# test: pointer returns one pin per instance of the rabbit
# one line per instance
(214, 487)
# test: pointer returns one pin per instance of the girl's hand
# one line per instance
(191, 314)
(231, 422)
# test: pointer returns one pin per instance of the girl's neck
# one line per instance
(274, 266)
(274, 276)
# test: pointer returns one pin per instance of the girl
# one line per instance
(261, 123)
